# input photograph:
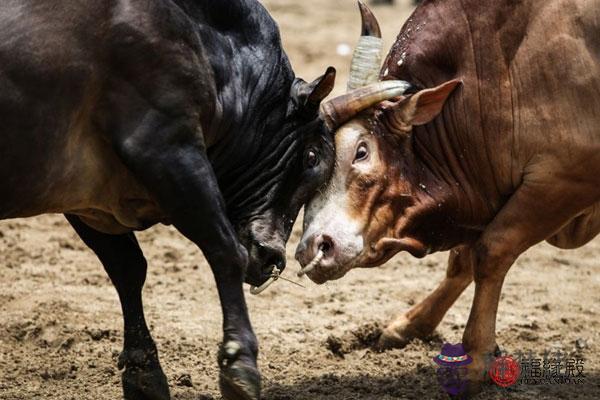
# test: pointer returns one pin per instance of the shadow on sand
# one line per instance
(419, 385)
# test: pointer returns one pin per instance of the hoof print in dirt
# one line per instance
(363, 337)
(184, 380)
(239, 378)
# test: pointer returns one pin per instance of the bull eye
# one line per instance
(311, 159)
(362, 153)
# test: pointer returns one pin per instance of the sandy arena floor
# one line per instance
(60, 320)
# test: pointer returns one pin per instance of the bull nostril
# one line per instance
(326, 245)
(268, 257)
(275, 261)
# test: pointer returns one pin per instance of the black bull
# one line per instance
(126, 113)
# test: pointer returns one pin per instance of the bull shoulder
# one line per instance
(155, 48)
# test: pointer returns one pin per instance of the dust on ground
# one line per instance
(60, 320)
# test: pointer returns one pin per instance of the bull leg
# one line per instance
(530, 216)
(193, 201)
(190, 195)
(143, 378)
(421, 320)
(168, 156)
(156, 130)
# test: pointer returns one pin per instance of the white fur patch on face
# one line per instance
(328, 213)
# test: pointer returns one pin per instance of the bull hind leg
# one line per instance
(421, 320)
(142, 378)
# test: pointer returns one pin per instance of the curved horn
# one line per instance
(366, 61)
(341, 109)
(370, 26)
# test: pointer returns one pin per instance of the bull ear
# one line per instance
(309, 95)
(425, 105)
(320, 88)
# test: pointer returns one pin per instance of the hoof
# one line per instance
(143, 378)
(396, 335)
(473, 389)
(145, 385)
(239, 378)
(476, 376)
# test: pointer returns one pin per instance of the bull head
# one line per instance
(361, 217)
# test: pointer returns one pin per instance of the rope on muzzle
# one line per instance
(314, 263)
(275, 275)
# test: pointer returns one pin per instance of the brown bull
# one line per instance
(495, 149)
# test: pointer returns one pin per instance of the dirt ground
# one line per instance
(60, 320)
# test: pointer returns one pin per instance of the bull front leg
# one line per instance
(123, 260)
(534, 212)
(165, 151)
(160, 92)
(421, 320)
(181, 177)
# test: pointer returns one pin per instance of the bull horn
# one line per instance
(366, 60)
(370, 26)
(339, 110)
